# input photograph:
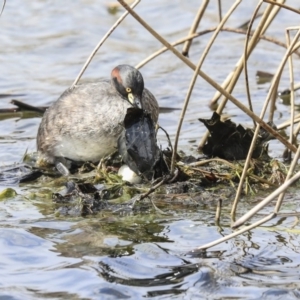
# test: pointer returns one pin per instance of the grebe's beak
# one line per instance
(134, 100)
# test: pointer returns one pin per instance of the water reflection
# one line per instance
(138, 256)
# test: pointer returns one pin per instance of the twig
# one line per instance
(296, 132)
(200, 33)
(245, 57)
(220, 10)
(245, 169)
(208, 173)
(275, 82)
(218, 211)
(288, 176)
(4, 3)
(261, 28)
(288, 123)
(292, 88)
(109, 32)
(234, 167)
(168, 137)
(256, 132)
(245, 25)
(195, 25)
(236, 233)
(283, 6)
(209, 80)
(266, 201)
(195, 76)
(152, 189)
(206, 161)
(255, 135)
(232, 78)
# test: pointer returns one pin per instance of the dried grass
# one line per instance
(223, 91)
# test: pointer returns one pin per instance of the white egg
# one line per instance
(128, 175)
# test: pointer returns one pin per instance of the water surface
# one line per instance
(43, 47)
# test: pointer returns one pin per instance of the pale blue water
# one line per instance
(43, 47)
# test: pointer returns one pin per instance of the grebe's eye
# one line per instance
(128, 90)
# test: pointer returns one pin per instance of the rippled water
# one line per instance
(43, 47)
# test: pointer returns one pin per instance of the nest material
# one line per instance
(232, 142)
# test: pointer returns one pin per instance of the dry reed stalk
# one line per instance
(280, 191)
(220, 10)
(274, 96)
(245, 169)
(233, 167)
(268, 15)
(288, 123)
(245, 59)
(109, 32)
(292, 137)
(208, 79)
(288, 176)
(292, 87)
(256, 132)
(283, 6)
(296, 132)
(296, 46)
(276, 78)
(249, 215)
(271, 197)
(203, 32)
(218, 211)
(195, 76)
(261, 28)
(4, 2)
(254, 138)
(236, 233)
(252, 176)
(297, 86)
(195, 25)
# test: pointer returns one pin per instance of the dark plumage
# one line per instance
(138, 146)
(232, 142)
(84, 124)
